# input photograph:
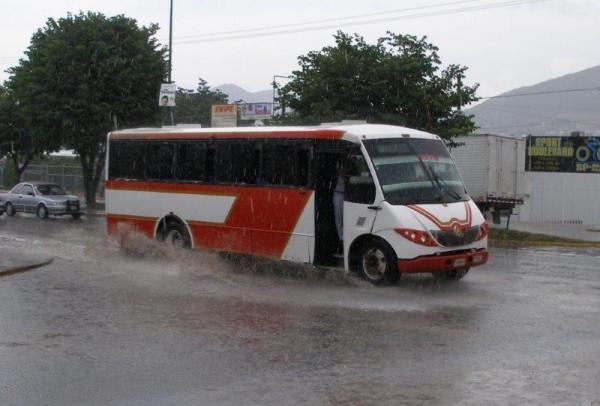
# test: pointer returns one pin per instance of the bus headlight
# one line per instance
(417, 236)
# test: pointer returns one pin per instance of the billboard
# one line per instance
(563, 154)
(223, 115)
(256, 111)
(167, 94)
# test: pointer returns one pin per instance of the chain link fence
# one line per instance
(70, 177)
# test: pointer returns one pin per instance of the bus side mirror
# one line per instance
(360, 189)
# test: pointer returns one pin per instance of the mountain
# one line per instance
(236, 93)
(554, 107)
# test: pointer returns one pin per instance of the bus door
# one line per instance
(360, 207)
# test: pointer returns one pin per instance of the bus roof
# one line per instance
(353, 132)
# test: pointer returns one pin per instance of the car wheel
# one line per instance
(9, 209)
(76, 216)
(378, 263)
(42, 212)
(177, 236)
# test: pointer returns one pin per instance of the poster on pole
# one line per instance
(256, 111)
(223, 115)
(167, 94)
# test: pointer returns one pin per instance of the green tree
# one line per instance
(194, 107)
(82, 76)
(20, 142)
(397, 81)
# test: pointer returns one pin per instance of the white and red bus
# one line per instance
(268, 191)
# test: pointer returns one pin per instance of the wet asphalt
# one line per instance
(98, 326)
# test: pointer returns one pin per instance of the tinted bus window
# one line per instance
(160, 161)
(127, 160)
(235, 163)
(286, 164)
(191, 162)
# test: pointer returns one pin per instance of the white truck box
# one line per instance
(493, 170)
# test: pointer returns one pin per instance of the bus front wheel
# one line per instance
(176, 236)
(378, 263)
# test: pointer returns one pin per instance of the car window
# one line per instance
(42, 189)
(57, 190)
(27, 189)
(47, 190)
(17, 189)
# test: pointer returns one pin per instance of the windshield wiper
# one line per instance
(447, 187)
(435, 179)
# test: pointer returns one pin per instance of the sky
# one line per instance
(505, 44)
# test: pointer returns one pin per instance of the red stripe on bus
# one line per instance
(445, 225)
(261, 220)
(314, 134)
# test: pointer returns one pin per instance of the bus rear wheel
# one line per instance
(378, 263)
(176, 236)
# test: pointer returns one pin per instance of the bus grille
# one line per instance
(452, 239)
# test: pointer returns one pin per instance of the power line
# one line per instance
(289, 28)
(502, 96)
(286, 29)
(553, 119)
(250, 30)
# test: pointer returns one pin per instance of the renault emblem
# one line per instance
(457, 231)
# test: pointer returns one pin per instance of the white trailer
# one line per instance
(493, 171)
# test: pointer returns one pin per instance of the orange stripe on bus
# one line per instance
(314, 134)
(260, 221)
(445, 225)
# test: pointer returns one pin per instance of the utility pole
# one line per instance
(171, 55)
(170, 41)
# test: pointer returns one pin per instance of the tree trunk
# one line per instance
(92, 167)
(19, 169)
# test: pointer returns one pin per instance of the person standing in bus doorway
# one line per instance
(338, 207)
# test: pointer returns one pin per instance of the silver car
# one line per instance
(44, 199)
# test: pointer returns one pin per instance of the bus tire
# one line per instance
(378, 263)
(176, 236)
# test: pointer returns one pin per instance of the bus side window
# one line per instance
(360, 187)
(160, 161)
(127, 160)
(191, 162)
(210, 165)
(235, 163)
(303, 162)
(286, 164)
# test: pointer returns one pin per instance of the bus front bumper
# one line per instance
(444, 262)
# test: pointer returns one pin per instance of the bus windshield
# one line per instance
(415, 171)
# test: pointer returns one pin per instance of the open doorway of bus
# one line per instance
(325, 169)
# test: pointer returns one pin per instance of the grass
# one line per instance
(97, 206)
(521, 239)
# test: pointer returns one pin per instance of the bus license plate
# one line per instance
(458, 262)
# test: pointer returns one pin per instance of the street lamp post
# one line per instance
(275, 88)
(171, 55)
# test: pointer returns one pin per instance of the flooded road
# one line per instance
(97, 327)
